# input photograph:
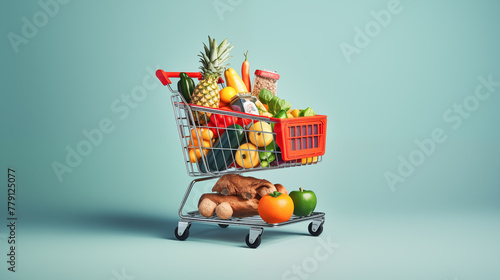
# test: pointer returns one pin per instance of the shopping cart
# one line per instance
(297, 142)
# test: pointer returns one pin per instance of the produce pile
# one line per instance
(228, 141)
(239, 196)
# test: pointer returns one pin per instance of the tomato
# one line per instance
(276, 208)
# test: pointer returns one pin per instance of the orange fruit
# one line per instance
(226, 94)
(260, 134)
(205, 144)
(204, 133)
(194, 151)
(247, 156)
(276, 208)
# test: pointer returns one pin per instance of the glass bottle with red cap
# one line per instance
(265, 79)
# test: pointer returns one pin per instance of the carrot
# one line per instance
(245, 73)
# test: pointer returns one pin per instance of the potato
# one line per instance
(224, 210)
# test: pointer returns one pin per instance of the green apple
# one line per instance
(304, 202)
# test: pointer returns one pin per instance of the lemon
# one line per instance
(309, 160)
(226, 94)
(247, 156)
(260, 134)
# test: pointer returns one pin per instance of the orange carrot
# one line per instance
(245, 73)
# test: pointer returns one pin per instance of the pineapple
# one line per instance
(206, 92)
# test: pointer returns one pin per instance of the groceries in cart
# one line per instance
(227, 127)
(239, 196)
(233, 127)
(237, 95)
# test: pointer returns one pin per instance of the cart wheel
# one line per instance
(223, 225)
(317, 232)
(255, 244)
(184, 235)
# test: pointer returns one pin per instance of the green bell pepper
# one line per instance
(280, 115)
(308, 112)
(267, 157)
(185, 86)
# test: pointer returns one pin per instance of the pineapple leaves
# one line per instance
(225, 55)
(207, 52)
(214, 56)
(223, 46)
(226, 51)
(211, 67)
(213, 50)
(221, 59)
(205, 57)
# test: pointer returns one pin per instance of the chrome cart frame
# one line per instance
(189, 134)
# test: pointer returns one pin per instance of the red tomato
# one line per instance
(276, 207)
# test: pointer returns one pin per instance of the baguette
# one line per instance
(227, 206)
(209, 202)
(246, 187)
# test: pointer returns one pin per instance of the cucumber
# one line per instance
(221, 155)
(185, 86)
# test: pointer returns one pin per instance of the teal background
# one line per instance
(115, 212)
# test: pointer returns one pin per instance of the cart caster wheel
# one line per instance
(184, 235)
(317, 232)
(255, 244)
(223, 225)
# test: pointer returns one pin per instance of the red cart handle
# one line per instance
(164, 76)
